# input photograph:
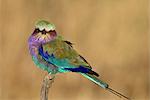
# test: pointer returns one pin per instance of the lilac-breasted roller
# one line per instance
(53, 54)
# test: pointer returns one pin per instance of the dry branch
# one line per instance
(47, 83)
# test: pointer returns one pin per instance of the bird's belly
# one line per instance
(44, 65)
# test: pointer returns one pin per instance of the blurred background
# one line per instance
(111, 34)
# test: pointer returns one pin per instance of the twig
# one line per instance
(47, 83)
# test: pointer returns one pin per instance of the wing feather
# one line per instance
(63, 51)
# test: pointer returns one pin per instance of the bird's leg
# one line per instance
(47, 82)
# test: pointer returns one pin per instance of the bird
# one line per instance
(52, 53)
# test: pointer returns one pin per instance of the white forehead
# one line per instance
(41, 25)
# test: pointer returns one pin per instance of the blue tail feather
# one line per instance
(79, 69)
(82, 70)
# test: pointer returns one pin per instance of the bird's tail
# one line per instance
(102, 84)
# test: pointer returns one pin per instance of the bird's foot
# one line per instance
(48, 80)
(49, 77)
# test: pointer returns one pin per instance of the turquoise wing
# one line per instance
(61, 54)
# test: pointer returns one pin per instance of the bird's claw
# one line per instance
(50, 76)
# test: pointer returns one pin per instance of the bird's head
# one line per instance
(44, 32)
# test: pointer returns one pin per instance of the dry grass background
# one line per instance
(111, 34)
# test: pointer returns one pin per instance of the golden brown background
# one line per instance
(111, 34)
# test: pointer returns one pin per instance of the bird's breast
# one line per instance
(33, 49)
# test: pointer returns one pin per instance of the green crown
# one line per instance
(42, 24)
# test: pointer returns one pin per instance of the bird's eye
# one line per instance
(37, 30)
(51, 31)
